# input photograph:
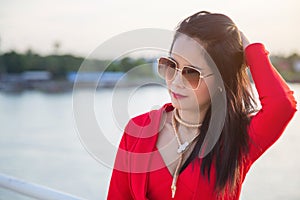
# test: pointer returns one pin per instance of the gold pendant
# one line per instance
(182, 147)
(173, 188)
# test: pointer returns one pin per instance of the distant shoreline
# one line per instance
(61, 86)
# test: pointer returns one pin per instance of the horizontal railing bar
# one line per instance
(33, 190)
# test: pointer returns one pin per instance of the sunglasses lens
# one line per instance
(190, 77)
(166, 68)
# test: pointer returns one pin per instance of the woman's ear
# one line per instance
(220, 89)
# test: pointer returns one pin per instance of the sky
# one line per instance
(80, 26)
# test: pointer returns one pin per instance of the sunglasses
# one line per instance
(191, 76)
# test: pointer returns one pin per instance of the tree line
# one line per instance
(59, 65)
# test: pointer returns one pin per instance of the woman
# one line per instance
(180, 151)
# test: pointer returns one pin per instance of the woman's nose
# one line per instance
(177, 80)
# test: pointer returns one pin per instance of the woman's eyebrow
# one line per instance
(197, 67)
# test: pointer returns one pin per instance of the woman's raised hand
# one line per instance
(244, 39)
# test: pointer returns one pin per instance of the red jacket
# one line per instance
(138, 153)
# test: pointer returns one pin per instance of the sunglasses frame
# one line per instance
(180, 70)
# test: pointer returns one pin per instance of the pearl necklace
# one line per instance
(177, 117)
(181, 149)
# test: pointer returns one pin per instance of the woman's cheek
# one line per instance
(203, 96)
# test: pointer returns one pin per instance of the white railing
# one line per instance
(33, 190)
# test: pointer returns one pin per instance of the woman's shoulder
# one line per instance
(141, 131)
(145, 124)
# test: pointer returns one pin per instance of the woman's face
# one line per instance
(186, 53)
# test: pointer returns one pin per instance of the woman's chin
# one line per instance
(183, 106)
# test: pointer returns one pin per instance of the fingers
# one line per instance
(244, 39)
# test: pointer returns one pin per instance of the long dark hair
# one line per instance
(221, 39)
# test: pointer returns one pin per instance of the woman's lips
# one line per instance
(177, 96)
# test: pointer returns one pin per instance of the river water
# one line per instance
(40, 143)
